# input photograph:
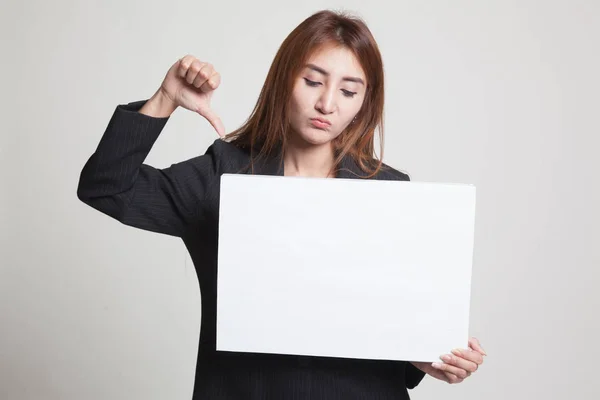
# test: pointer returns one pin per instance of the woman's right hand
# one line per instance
(190, 84)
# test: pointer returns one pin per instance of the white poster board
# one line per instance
(344, 267)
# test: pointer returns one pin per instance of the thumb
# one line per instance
(214, 120)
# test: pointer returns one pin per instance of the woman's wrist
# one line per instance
(158, 106)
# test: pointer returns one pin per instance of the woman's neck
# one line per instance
(308, 160)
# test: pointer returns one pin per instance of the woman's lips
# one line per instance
(320, 123)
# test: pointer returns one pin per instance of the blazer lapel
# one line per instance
(349, 169)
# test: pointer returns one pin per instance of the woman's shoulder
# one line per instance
(223, 147)
(387, 173)
(229, 157)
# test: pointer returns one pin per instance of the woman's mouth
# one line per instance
(320, 123)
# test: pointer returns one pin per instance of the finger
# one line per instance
(460, 362)
(184, 65)
(193, 70)
(215, 121)
(459, 372)
(203, 75)
(212, 83)
(470, 355)
(474, 344)
(443, 375)
(452, 379)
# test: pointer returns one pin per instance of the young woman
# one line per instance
(316, 116)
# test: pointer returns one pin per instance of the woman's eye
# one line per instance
(348, 93)
(311, 83)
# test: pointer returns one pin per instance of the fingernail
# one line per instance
(436, 365)
(446, 358)
(481, 348)
(457, 352)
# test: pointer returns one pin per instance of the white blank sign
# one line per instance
(344, 267)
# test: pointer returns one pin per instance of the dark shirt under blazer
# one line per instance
(183, 201)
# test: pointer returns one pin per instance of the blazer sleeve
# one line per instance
(413, 376)
(116, 182)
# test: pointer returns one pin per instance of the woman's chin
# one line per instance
(316, 137)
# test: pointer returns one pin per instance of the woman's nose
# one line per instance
(326, 103)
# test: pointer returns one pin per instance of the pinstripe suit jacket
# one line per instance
(183, 200)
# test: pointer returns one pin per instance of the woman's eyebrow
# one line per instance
(322, 71)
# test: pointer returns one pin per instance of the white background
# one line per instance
(499, 94)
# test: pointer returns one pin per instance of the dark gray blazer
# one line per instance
(183, 201)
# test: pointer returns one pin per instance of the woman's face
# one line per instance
(327, 95)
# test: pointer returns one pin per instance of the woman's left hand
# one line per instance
(457, 366)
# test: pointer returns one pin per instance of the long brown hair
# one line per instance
(266, 130)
